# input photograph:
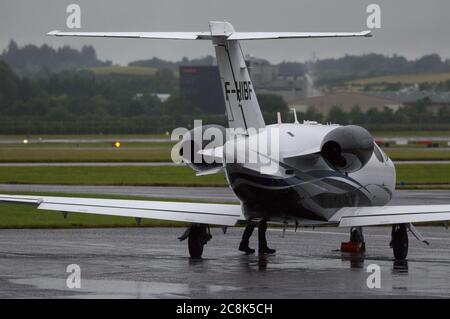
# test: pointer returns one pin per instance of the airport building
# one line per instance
(201, 89)
(267, 79)
(436, 100)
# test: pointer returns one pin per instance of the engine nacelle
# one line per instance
(347, 149)
(196, 140)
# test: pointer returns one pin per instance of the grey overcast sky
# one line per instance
(409, 27)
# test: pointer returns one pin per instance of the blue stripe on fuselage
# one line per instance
(290, 181)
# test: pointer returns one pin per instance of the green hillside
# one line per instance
(405, 78)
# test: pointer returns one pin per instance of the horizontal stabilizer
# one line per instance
(211, 171)
(208, 35)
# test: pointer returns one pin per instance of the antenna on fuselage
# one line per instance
(295, 115)
(279, 118)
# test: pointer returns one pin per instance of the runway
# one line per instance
(151, 263)
(35, 140)
(150, 164)
(211, 194)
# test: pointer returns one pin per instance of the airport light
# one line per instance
(117, 144)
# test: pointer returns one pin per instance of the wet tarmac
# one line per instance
(151, 263)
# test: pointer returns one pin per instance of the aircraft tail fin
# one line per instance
(242, 106)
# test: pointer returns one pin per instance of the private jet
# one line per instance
(321, 174)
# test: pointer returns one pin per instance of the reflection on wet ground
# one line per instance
(151, 263)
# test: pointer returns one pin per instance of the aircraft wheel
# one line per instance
(198, 237)
(400, 241)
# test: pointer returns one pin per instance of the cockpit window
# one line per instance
(386, 158)
(378, 153)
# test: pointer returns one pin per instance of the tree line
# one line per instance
(417, 114)
(79, 101)
(33, 61)
(82, 102)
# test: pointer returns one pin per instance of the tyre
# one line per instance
(400, 242)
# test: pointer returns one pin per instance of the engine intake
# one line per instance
(347, 149)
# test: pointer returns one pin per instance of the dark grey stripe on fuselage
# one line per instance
(267, 196)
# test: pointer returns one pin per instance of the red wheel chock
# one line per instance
(350, 247)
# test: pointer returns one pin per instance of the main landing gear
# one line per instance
(399, 241)
(198, 235)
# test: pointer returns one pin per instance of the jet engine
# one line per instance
(347, 149)
(196, 140)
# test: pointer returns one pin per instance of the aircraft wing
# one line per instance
(214, 214)
(388, 215)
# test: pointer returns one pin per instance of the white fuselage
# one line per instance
(304, 187)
